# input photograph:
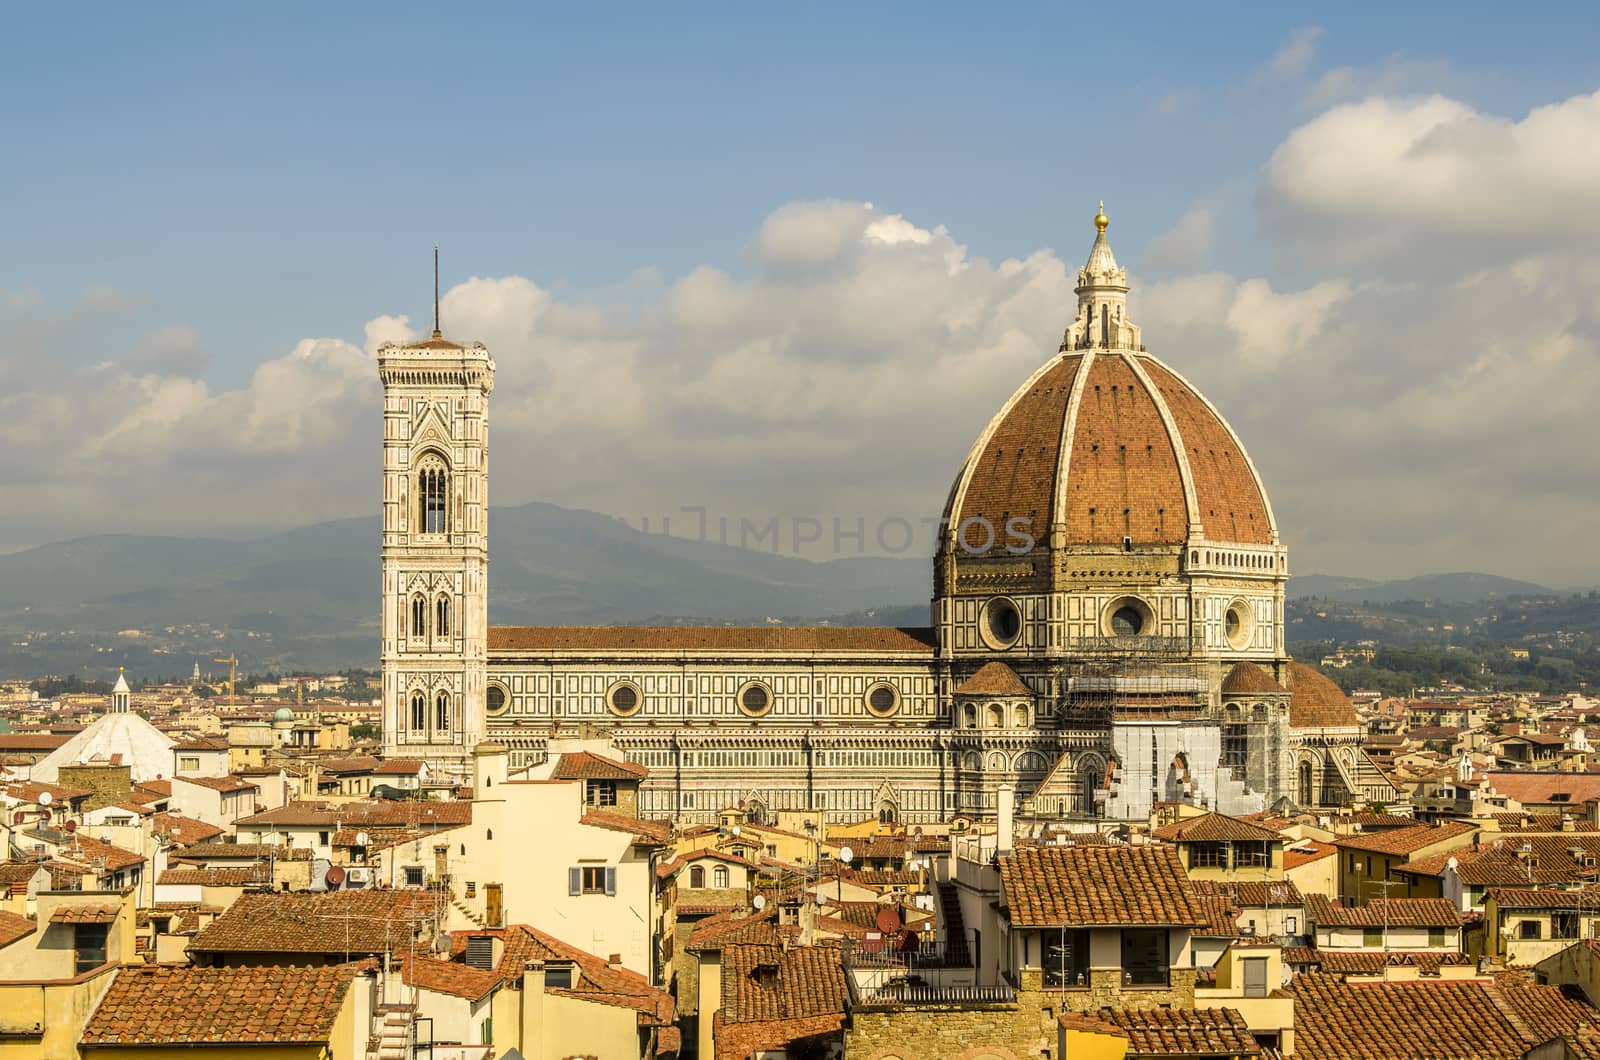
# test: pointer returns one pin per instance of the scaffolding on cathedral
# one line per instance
(1135, 678)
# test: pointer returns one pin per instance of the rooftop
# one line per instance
(183, 1005)
(1097, 885)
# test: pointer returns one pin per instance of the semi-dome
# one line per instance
(1106, 445)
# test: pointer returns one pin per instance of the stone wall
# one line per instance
(1026, 1028)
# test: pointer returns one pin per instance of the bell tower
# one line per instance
(435, 621)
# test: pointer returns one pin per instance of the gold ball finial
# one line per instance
(1100, 219)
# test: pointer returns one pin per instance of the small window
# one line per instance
(495, 699)
(592, 879)
(441, 617)
(882, 699)
(1435, 938)
(1372, 937)
(558, 976)
(624, 699)
(600, 793)
(1127, 622)
(413, 876)
(89, 940)
(755, 699)
(1002, 623)
(1530, 929)
(419, 617)
(441, 712)
(697, 876)
(419, 712)
(719, 876)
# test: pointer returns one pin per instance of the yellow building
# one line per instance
(1214, 846)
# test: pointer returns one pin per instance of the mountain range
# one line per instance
(307, 598)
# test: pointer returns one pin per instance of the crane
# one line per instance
(232, 660)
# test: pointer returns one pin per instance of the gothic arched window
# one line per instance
(441, 617)
(1306, 791)
(419, 616)
(433, 494)
(441, 712)
(886, 814)
(419, 711)
(1105, 327)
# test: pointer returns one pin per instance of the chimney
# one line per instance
(1007, 822)
(532, 1038)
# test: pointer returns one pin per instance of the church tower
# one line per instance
(435, 546)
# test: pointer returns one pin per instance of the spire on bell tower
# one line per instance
(436, 332)
(1102, 290)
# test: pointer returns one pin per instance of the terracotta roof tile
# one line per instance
(373, 813)
(1249, 679)
(583, 765)
(1408, 840)
(226, 784)
(643, 829)
(1465, 1020)
(1379, 912)
(357, 923)
(1316, 702)
(1216, 828)
(758, 639)
(763, 982)
(1087, 886)
(101, 913)
(14, 926)
(182, 1005)
(1205, 1032)
(994, 679)
(1544, 898)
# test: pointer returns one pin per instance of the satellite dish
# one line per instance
(760, 902)
(846, 855)
(735, 830)
(45, 798)
(441, 942)
(361, 839)
(822, 900)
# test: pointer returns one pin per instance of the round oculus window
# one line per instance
(1128, 617)
(495, 699)
(755, 699)
(624, 698)
(1002, 623)
(883, 699)
(1238, 625)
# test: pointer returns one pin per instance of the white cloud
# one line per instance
(1388, 177)
(1396, 74)
(1294, 58)
(844, 370)
(1185, 242)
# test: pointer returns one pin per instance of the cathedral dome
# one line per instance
(1106, 446)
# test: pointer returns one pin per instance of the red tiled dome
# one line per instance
(1315, 702)
(1248, 679)
(1108, 444)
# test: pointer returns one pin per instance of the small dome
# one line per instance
(1248, 679)
(1316, 702)
(283, 714)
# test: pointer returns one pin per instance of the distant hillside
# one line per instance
(1457, 588)
(309, 596)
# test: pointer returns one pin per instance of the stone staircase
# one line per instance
(394, 1029)
(466, 911)
(955, 929)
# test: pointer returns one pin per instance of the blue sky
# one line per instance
(253, 178)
